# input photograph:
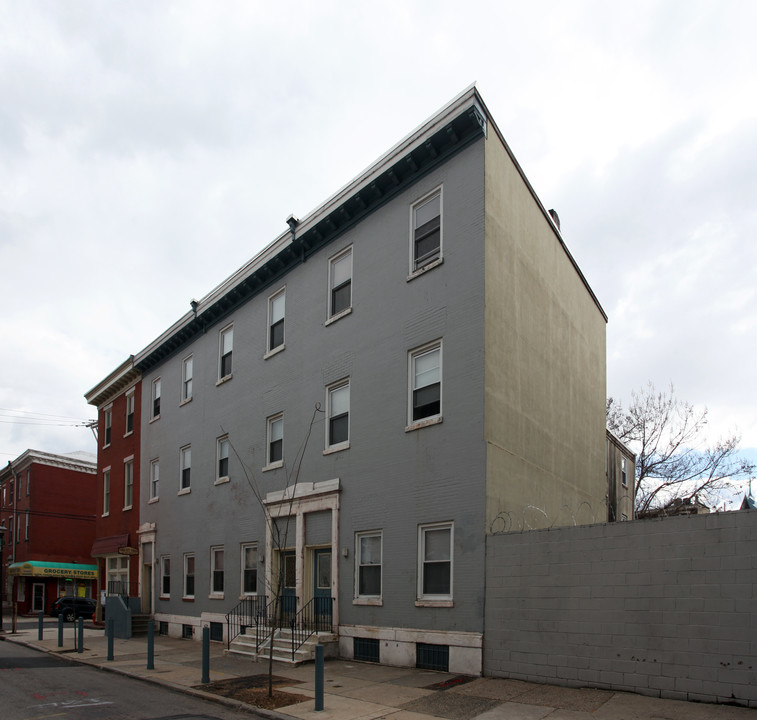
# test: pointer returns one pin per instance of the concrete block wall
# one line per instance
(664, 607)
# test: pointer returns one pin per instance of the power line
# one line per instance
(38, 415)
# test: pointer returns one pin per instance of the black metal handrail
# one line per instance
(315, 616)
(278, 614)
(122, 589)
(246, 614)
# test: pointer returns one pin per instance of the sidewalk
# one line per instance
(361, 691)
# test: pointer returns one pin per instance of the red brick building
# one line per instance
(47, 504)
(118, 400)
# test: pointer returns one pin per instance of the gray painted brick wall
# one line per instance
(662, 607)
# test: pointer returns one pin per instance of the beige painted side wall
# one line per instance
(545, 367)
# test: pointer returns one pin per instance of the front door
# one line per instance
(322, 588)
(289, 585)
(38, 597)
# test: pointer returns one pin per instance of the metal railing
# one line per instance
(315, 616)
(246, 614)
(122, 589)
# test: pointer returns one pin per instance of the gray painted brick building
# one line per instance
(416, 364)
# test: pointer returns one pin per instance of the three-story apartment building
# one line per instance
(417, 363)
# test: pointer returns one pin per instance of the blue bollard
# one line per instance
(109, 631)
(81, 634)
(60, 630)
(41, 625)
(205, 655)
(319, 677)
(151, 645)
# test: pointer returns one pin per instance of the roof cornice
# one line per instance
(31, 457)
(453, 128)
(119, 380)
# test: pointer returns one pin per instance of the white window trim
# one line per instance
(220, 479)
(184, 577)
(107, 411)
(242, 593)
(338, 447)
(428, 600)
(276, 463)
(161, 594)
(155, 383)
(269, 351)
(182, 399)
(188, 489)
(358, 599)
(155, 462)
(129, 461)
(412, 355)
(330, 316)
(106, 471)
(129, 396)
(225, 378)
(213, 594)
(624, 472)
(413, 272)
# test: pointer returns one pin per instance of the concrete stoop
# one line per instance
(282, 647)
(139, 624)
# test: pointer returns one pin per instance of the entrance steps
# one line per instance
(282, 646)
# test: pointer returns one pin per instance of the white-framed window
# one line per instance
(28, 482)
(185, 463)
(108, 426)
(26, 528)
(435, 561)
(216, 570)
(189, 575)
(249, 561)
(118, 575)
(165, 576)
(624, 471)
(155, 407)
(187, 370)
(154, 479)
(425, 383)
(275, 440)
(368, 564)
(426, 231)
(340, 284)
(129, 412)
(128, 483)
(222, 459)
(338, 415)
(225, 350)
(276, 313)
(106, 491)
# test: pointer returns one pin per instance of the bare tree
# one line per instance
(673, 460)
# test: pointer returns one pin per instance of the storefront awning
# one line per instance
(40, 568)
(110, 545)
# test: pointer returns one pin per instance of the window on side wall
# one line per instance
(189, 576)
(129, 413)
(128, 484)
(154, 479)
(275, 440)
(216, 570)
(435, 562)
(165, 576)
(624, 471)
(187, 371)
(426, 234)
(249, 569)
(276, 312)
(222, 464)
(225, 349)
(155, 407)
(106, 491)
(368, 562)
(338, 415)
(425, 398)
(186, 468)
(108, 425)
(340, 284)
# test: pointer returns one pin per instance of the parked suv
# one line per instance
(73, 607)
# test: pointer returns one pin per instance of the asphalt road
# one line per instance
(35, 685)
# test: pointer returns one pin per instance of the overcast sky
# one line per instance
(148, 149)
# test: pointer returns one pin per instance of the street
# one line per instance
(37, 685)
